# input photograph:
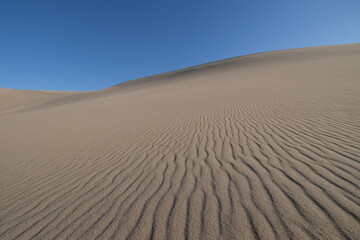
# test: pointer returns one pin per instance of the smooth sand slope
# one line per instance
(265, 146)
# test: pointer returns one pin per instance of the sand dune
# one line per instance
(265, 146)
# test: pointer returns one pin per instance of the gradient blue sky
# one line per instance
(88, 45)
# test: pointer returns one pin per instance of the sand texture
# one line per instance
(264, 146)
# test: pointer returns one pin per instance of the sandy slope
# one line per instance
(265, 146)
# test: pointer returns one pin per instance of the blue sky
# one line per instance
(88, 45)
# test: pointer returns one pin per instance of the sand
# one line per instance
(264, 146)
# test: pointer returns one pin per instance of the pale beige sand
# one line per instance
(265, 146)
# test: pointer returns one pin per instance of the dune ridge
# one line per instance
(264, 146)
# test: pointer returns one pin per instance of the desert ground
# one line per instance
(263, 146)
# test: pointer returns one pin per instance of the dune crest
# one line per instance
(264, 146)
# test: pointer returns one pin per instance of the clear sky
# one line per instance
(88, 45)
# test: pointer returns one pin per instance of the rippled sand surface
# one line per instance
(265, 146)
